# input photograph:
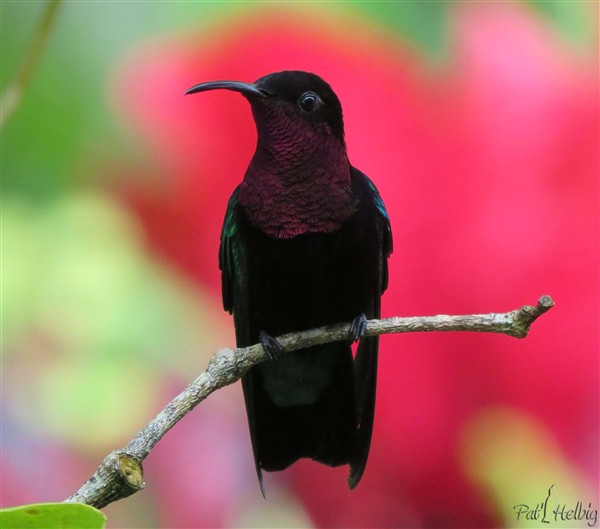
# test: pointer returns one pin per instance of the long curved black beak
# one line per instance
(244, 88)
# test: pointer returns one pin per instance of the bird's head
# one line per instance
(300, 155)
(288, 107)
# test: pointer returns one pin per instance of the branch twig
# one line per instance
(121, 473)
(13, 93)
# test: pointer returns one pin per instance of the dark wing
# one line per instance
(232, 258)
(379, 239)
(234, 283)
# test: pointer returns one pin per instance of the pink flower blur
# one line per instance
(489, 173)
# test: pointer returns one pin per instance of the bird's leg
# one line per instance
(271, 346)
(357, 328)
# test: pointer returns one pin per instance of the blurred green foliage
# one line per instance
(423, 24)
(426, 25)
(79, 262)
(572, 19)
(65, 115)
(79, 289)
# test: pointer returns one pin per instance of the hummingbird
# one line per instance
(305, 242)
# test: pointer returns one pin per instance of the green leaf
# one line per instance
(52, 516)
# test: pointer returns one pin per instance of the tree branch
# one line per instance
(121, 473)
(13, 94)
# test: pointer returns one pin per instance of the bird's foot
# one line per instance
(357, 328)
(271, 346)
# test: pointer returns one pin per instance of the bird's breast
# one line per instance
(306, 192)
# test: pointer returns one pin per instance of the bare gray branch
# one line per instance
(121, 474)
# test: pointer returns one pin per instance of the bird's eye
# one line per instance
(309, 102)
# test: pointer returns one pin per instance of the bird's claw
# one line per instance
(271, 346)
(357, 328)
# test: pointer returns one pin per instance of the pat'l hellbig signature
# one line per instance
(555, 512)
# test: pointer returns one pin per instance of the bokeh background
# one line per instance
(478, 121)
